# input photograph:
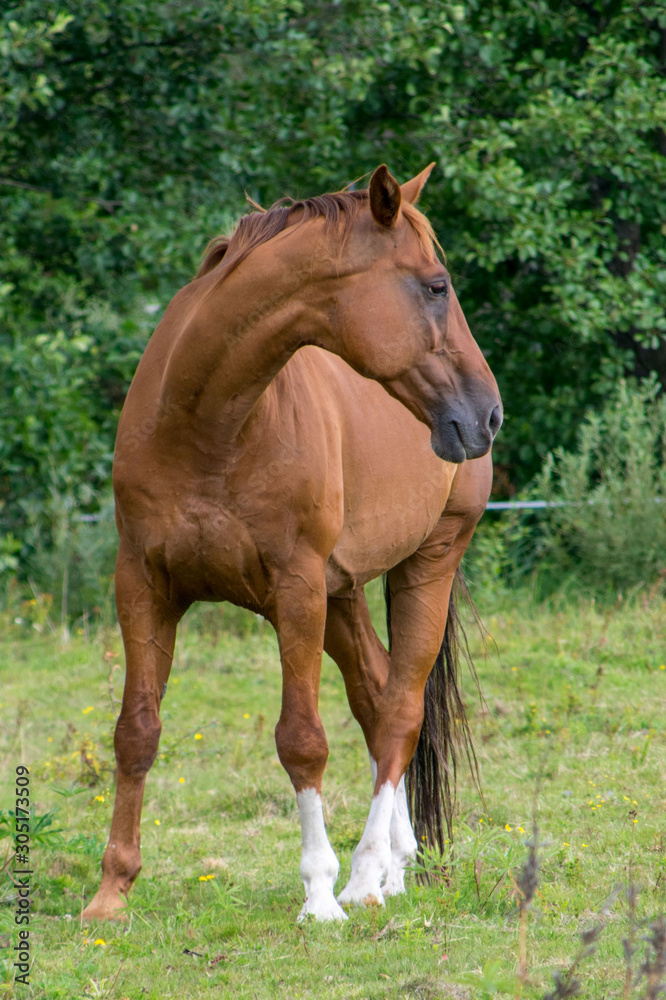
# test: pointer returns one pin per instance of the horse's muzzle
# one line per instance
(461, 431)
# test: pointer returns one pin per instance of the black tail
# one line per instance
(445, 734)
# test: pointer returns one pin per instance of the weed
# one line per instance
(488, 982)
(653, 968)
(526, 883)
(484, 857)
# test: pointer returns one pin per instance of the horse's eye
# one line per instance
(438, 288)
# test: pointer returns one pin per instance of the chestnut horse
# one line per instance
(311, 412)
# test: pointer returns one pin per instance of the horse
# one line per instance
(311, 412)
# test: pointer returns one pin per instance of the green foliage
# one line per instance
(490, 981)
(477, 867)
(130, 132)
(608, 523)
(487, 561)
(71, 559)
(40, 831)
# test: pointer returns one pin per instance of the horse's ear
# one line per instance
(411, 190)
(385, 196)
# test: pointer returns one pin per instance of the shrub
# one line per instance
(606, 527)
(68, 571)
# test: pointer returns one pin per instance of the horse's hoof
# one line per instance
(322, 909)
(361, 893)
(395, 884)
(105, 906)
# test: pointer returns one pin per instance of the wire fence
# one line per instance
(520, 504)
(541, 504)
(491, 505)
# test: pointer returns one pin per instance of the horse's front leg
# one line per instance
(403, 841)
(352, 642)
(148, 625)
(387, 843)
(420, 593)
(299, 617)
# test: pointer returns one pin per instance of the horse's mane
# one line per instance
(339, 209)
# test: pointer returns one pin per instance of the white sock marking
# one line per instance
(403, 841)
(319, 865)
(371, 862)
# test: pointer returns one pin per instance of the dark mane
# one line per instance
(338, 209)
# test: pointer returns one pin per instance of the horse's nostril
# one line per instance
(495, 420)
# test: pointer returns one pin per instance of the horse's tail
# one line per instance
(445, 734)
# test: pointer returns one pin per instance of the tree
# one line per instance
(130, 132)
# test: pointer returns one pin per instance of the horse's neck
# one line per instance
(230, 343)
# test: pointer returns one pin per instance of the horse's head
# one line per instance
(400, 322)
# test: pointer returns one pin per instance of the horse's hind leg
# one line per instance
(352, 642)
(148, 624)
(299, 617)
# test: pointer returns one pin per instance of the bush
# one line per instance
(67, 577)
(606, 527)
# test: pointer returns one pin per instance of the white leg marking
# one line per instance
(371, 862)
(403, 843)
(319, 865)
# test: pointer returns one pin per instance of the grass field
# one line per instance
(574, 722)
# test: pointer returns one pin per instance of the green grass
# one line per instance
(575, 701)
